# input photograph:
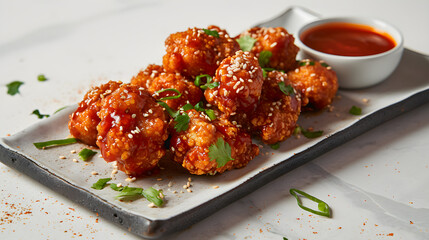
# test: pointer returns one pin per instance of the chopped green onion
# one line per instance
(210, 113)
(101, 183)
(42, 145)
(170, 111)
(197, 81)
(246, 43)
(85, 154)
(305, 63)
(213, 33)
(221, 152)
(275, 146)
(287, 90)
(59, 109)
(39, 115)
(169, 97)
(209, 83)
(187, 107)
(306, 133)
(115, 187)
(41, 78)
(13, 87)
(264, 58)
(355, 110)
(130, 193)
(322, 206)
(154, 196)
(324, 64)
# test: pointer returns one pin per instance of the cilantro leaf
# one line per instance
(154, 196)
(287, 90)
(246, 43)
(13, 87)
(221, 152)
(39, 115)
(213, 33)
(101, 183)
(182, 122)
(264, 58)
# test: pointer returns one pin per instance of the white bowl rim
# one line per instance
(355, 20)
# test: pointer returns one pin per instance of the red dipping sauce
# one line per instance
(347, 39)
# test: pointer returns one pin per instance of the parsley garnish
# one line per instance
(41, 78)
(322, 206)
(246, 43)
(306, 133)
(213, 33)
(39, 115)
(264, 58)
(355, 110)
(85, 154)
(101, 183)
(13, 87)
(221, 152)
(42, 145)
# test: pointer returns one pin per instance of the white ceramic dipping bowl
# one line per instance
(361, 71)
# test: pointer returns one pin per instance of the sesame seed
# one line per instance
(189, 190)
(215, 187)
(134, 115)
(62, 157)
(73, 151)
(159, 179)
(119, 185)
(189, 179)
(151, 205)
(130, 135)
(145, 115)
(114, 171)
(273, 44)
(130, 179)
(94, 173)
(75, 160)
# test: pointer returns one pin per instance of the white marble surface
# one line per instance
(376, 184)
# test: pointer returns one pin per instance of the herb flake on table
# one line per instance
(13, 87)
(41, 78)
(323, 207)
(39, 115)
